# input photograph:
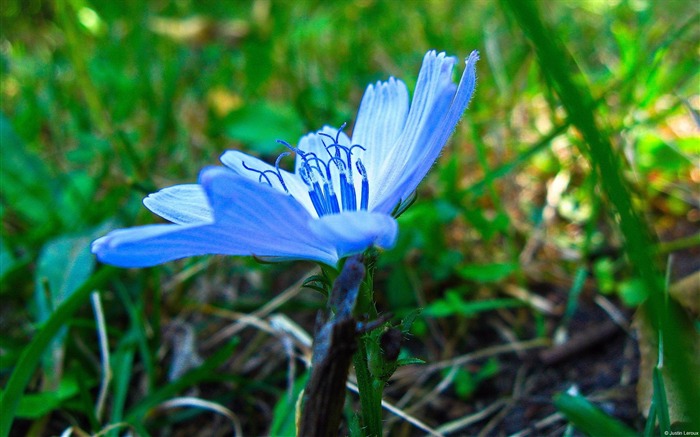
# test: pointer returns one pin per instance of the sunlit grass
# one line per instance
(579, 153)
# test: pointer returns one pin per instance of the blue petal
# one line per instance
(146, 246)
(181, 204)
(233, 159)
(434, 81)
(438, 125)
(380, 120)
(250, 219)
(353, 232)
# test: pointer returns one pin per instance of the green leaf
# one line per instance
(408, 361)
(33, 406)
(407, 321)
(487, 272)
(320, 283)
(26, 365)
(284, 413)
(464, 383)
(604, 272)
(64, 264)
(453, 304)
(260, 125)
(589, 418)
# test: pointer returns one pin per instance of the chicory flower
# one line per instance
(339, 199)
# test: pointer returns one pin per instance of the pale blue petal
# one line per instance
(251, 219)
(380, 120)
(264, 221)
(146, 246)
(181, 204)
(434, 81)
(440, 123)
(234, 160)
(353, 232)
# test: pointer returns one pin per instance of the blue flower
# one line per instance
(339, 199)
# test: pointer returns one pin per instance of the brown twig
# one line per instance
(335, 343)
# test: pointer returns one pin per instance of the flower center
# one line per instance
(329, 180)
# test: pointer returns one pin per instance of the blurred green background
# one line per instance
(519, 233)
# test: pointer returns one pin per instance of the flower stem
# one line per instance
(370, 392)
(369, 388)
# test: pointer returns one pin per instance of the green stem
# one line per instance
(369, 388)
(370, 392)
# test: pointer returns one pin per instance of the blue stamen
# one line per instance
(261, 173)
(331, 199)
(292, 148)
(347, 192)
(318, 163)
(276, 172)
(365, 186)
(358, 146)
(314, 189)
(337, 134)
(279, 173)
(318, 204)
(319, 176)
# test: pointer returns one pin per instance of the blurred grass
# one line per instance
(579, 142)
(606, 162)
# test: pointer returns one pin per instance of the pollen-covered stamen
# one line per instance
(323, 176)
(314, 189)
(320, 185)
(364, 198)
(331, 197)
(348, 155)
(315, 163)
(347, 189)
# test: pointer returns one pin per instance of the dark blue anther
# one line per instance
(314, 189)
(347, 192)
(364, 198)
(318, 204)
(331, 199)
(320, 179)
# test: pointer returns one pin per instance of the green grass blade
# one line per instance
(557, 64)
(27, 363)
(661, 402)
(589, 418)
(651, 420)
